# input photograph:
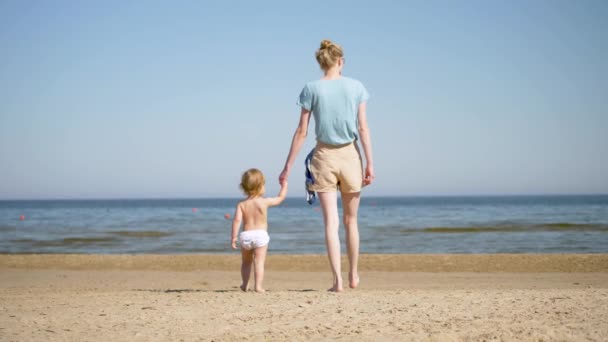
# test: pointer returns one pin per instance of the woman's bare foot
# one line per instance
(260, 290)
(353, 280)
(335, 289)
(337, 286)
(243, 288)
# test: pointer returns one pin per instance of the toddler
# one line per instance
(252, 212)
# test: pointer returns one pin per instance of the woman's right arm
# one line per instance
(296, 144)
(366, 142)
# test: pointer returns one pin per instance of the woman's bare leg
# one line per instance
(329, 205)
(350, 207)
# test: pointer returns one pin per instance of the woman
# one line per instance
(338, 104)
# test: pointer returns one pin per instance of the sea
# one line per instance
(406, 225)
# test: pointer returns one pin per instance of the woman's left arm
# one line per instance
(366, 142)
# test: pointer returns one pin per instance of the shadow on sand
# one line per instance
(216, 291)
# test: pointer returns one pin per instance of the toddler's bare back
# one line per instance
(254, 214)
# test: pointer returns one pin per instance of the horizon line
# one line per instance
(299, 197)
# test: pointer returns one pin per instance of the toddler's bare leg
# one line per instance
(247, 259)
(258, 262)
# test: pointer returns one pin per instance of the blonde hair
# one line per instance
(328, 54)
(252, 182)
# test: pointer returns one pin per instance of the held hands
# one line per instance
(369, 175)
(283, 177)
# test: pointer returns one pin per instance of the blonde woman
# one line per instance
(338, 105)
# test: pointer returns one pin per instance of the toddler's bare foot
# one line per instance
(353, 280)
(244, 288)
(260, 290)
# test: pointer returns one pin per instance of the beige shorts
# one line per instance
(337, 167)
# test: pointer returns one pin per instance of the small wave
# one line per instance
(73, 241)
(547, 227)
(7, 228)
(141, 234)
(564, 225)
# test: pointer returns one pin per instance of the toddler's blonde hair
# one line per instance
(328, 54)
(252, 182)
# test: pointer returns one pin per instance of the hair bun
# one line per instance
(328, 54)
(325, 44)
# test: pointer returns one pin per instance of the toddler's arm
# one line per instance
(236, 224)
(273, 201)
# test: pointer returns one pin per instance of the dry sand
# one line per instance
(402, 297)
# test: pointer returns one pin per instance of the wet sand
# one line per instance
(532, 297)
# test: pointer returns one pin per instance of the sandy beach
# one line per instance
(532, 297)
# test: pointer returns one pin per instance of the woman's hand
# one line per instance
(234, 244)
(283, 176)
(369, 175)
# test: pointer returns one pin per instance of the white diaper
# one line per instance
(251, 239)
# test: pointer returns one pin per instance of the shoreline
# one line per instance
(514, 263)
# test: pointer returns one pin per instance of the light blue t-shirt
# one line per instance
(334, 105)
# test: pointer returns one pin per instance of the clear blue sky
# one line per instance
(111, 99)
